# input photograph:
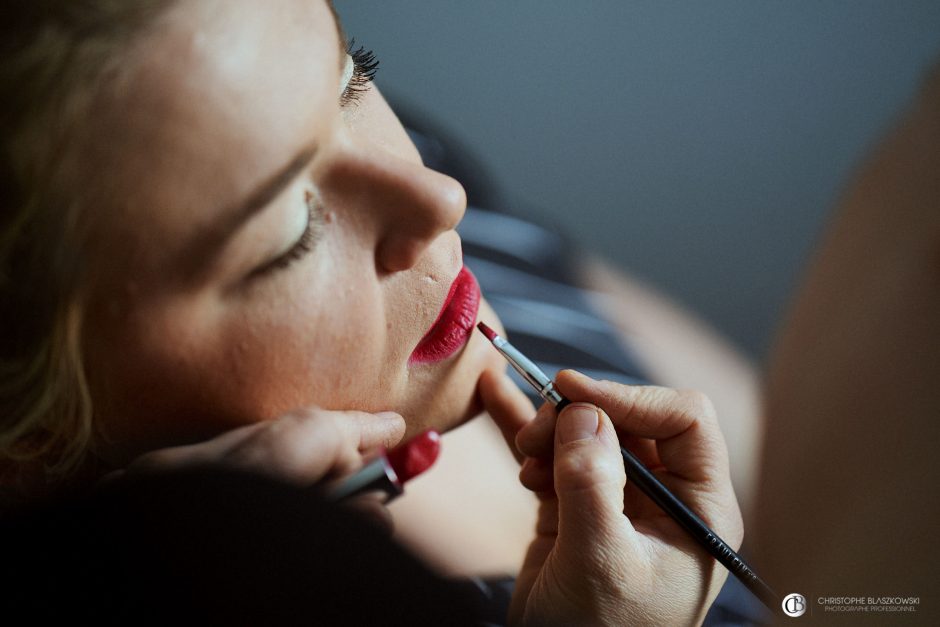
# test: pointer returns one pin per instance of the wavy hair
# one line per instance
(57, 54)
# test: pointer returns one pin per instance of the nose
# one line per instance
(408, 204)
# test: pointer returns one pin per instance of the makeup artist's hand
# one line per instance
(304, 447)
(590, 563)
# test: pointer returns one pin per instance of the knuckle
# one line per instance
(695, 404)
(286, 444)
(638, 406)
(585, 469)
(630, 403)
(729, 522)
(721, 511)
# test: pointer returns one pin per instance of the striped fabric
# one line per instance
(526, 278)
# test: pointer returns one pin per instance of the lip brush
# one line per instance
(642, 478)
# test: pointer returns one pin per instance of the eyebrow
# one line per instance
(268, 190)
(210, 241)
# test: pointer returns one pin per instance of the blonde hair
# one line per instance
(56, 55)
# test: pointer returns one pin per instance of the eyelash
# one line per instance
(365, 66)
(303, 246)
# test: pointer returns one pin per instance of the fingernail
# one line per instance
(577, 422)
(574, 373)
(387, 415)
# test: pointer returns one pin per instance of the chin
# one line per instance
(443, 412)
(455, 399)
(460, 400)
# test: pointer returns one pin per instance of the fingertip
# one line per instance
(503, 400)
(497, 375)
(577, 422)
(570, 375)
(393, 423)
(488, 379)
(493, 382)
(587, 452)
(371, 429)
(535, 438)
(396, 432)
(588, 475)
(390, 416)
(573, 384)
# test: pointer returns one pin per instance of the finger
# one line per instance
(643, 448)
(683, 422)
(369, 431)
(509, 407)
(302, 446)
(309, 444)
(589, 480)
(537, 474)
(537, 439)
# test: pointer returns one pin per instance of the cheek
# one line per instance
(309, 347)
(188, 371)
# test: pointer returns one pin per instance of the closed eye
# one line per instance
(303, 246)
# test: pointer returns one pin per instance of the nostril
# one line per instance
(424, 205)
(397, 253)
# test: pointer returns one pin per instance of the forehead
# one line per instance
(217, 97)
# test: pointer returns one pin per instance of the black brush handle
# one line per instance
(652, 487)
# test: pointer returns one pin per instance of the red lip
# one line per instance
(454, 324)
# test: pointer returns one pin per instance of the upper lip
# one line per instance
(454, 320)
(449, 296)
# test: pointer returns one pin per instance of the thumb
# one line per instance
(589, 481)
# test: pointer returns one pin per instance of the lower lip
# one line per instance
(454, 325)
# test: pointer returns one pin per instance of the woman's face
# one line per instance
(264, 236)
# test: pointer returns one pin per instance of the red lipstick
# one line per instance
(454, 324)
(390, 470)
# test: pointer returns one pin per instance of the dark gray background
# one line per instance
(699, 145)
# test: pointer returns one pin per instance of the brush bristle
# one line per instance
(488, 332)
